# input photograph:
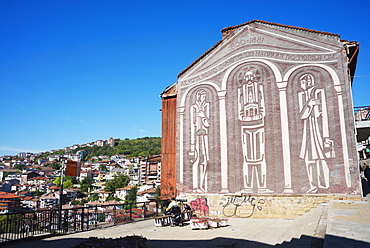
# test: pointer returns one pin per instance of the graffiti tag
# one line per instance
(234, 202)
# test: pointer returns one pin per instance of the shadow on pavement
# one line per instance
(335, 241)
(304, 241)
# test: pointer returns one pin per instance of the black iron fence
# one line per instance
(16, 226)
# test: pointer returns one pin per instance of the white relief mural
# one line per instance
(251, 114)
(269, 115)
(199, 143)
(316, 145)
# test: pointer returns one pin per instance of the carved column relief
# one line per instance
(181, 157)
(223, 138)
(339, 90)
(285, 137)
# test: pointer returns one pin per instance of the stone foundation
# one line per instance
(258, 206)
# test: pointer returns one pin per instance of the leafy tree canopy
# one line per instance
(67, 184)
(131, 197)
(143, 147)
(54, 165)
(37, 193)
(113, 198)
(103, 167)
(86, 184)
(157, 196)
(18, 166)
(75, 202)
(65, 179)
(119, 181)
(93, 197)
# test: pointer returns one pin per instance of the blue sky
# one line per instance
(75, 71)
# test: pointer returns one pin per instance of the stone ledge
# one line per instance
(263, 206)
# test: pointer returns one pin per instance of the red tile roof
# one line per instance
(148, 191)
(9, 196)
(129, 187)
(22, 192)
(276, 24)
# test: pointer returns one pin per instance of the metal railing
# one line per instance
(16, 226)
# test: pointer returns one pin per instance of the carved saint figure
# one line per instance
(316, 145)
(251, 108)
(199, 146)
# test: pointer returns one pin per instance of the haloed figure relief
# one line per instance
(316, 146)
(251, 109)
(199, 147)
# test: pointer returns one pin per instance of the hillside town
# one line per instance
(31, 181)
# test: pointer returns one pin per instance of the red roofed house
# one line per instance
(53, 188)
(30, 202)
(122, 192)
(145, 195)
(27, 176)
(38, 180)
(10, 202)
(50, 200)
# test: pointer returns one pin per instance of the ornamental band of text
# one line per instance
(268, 54)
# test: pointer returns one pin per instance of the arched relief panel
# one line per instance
(253, 127)
(316, 142)
(200, 146)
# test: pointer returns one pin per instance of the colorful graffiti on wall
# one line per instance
(200, 206)
(235, 206)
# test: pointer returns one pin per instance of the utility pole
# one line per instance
(61, 196)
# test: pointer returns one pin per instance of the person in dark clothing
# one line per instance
(367, 174)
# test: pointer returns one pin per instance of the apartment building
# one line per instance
(10, 202)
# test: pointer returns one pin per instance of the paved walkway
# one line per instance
(348, 225)
(338, 224)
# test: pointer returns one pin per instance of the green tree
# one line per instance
(101, 217)
(66, 178)
(55, 165)
(13, 221)
(157, 196)
(138, 147)
(86, 184)
(103, 167)
(18, 166)
(5, 175)
(67, 184)
(75, 202)
(57, 181)
(113, 198)
(93, 197)
(131, 197)
(37, 193)
(119, 181)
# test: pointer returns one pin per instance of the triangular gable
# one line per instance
(264, 40)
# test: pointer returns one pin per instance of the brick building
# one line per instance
(267, 111)
(10, 202)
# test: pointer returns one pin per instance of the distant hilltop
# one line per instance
(140, 147)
